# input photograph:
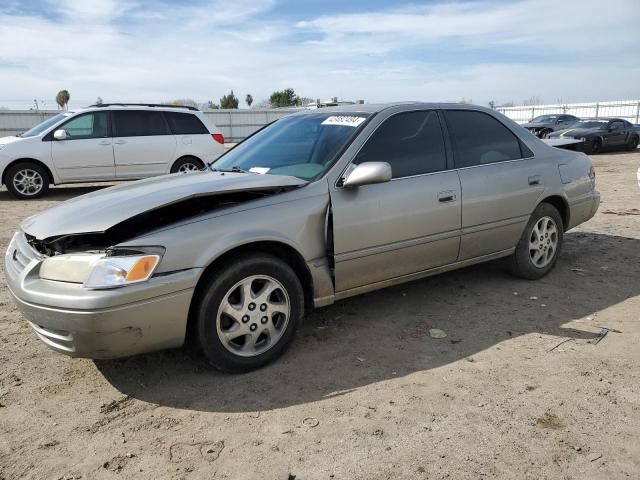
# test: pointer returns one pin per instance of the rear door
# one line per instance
(143, 144)
(87, 153)
(501, 182)
(404, 226)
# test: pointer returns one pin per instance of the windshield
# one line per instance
(303, 146)
(41, 127)
(589, 124)
(545, 119)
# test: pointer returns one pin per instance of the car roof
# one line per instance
(378, 107)
(152, 108)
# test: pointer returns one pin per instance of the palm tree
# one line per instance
(62, 99)
(248, 99)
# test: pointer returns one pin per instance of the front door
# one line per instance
(87, 152)
(501, 182)
(143, 144)
(404, 226)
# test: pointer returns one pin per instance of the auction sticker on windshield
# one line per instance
(344, 120)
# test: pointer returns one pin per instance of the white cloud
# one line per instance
(503, 51)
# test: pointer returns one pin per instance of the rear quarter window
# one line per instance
(185, 124)
(480, 139)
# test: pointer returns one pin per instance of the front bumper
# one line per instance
(100, 323)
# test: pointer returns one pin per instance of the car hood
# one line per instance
(100, 210)
(574, 132)
(6, 140)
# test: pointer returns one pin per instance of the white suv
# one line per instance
(105, 143)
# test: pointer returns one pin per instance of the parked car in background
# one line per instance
(105, 143)
(602, 134)
(543, 125)
(316, 207)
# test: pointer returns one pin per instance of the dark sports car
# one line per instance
(602, 134)
(543, 125)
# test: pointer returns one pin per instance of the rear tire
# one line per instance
(27, 180)
(633, 144)
(187, 165)
(248, 312)
(538, 249)
(545, 133)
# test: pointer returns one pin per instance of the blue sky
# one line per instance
(151, 51)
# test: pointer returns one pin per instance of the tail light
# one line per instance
(592, 173)
(218, 137)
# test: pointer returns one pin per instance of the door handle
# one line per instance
(104, 142)
(447, 196)
(534, 180)
(120, 142)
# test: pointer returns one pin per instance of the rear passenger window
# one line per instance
(139, 123)
(479, 139)
(412, 143)
(185, 123)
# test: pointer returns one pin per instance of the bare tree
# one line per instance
(99, 101)
(249, 99)
(531, 101)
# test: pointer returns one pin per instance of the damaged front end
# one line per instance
(79, 239)
(145, 222)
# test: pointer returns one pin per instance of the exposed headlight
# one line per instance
(99, 270)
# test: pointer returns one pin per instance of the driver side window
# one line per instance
(88, 125)
(411, 142)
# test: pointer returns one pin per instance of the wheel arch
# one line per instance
(278, 249)
(32, 160)
(561, 204)
(187, 155)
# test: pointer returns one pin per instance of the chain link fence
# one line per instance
(626, 109)
(236, 125)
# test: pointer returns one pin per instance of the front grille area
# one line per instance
(20, 254)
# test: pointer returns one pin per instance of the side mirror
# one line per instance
(368, 173)
(60, 134)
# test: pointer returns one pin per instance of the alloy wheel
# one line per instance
(543, 242)
(28, 182)
(188, 167)
(253, 315)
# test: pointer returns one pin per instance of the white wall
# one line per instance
(234, 124)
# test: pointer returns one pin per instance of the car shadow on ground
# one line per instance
(385, 334)
(58, 194)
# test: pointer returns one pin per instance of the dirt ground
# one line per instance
(365, 392)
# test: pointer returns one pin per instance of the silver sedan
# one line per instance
(314, 208)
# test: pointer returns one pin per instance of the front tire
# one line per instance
(545, 133)
(595, 147)
(248, 312)
(633, 144)
(27, 180)
(538, 249)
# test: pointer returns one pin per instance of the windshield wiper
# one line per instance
(234, 169)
